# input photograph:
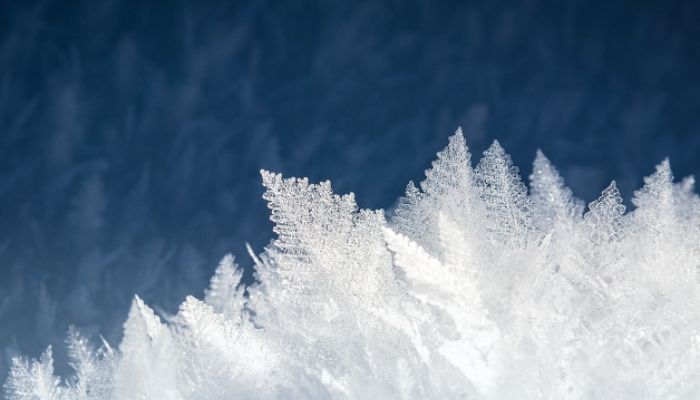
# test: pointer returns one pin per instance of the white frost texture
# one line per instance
(472, 289)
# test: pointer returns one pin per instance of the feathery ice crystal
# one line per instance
(473, 289)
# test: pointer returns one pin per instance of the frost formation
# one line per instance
(472, 289)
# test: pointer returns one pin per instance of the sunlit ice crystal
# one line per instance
(476, 286)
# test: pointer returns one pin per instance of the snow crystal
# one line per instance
(474, 288)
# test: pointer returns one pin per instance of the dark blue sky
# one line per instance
(132, 133)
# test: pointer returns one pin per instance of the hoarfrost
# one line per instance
(473, 289)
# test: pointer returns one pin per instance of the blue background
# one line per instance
(132, 133)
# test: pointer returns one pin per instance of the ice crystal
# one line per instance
(474, 288)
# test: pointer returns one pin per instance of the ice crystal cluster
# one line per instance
(472, 288)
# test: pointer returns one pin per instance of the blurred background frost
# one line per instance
(132, 133)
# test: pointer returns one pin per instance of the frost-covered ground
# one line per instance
(131, 135)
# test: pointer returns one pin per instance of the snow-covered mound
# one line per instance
(472, 289)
